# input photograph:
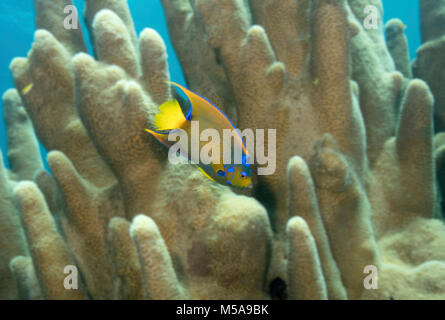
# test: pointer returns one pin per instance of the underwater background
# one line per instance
(92, 208)
(17, 17)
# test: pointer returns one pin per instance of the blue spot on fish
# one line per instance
(245, 160)
(221, 173)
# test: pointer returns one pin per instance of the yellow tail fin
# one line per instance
(170, 116)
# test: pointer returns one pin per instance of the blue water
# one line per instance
(17, 25)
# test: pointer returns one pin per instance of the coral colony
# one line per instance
(352, 211)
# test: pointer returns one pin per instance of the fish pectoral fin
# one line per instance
(205, 174)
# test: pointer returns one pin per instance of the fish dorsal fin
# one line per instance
(185, 104)
(201, 107)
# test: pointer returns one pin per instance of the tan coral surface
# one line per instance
(356, 158)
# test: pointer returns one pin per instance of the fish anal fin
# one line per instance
(205, 174)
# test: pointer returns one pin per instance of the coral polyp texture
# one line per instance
(357, 184)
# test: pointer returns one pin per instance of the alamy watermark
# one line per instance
(372, 18)
(208, 147)
(370, 281)
(71, 280)
(71, 21)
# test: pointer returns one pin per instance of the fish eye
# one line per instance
(243, 175)
(221, 173)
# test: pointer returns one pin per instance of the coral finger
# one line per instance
(119, 7)
(414, 147)
(48, 75)
(303, 202)
(71, 184)
(48, 249)
(306, 280)
(113, 43)
(287, 25)
(158, 274)
(181, 20)
(332, 96)
(430, 55)
(50, 15)
(49, 189)
(87, 210)
(13, 239)
(154, 65)
(25, 278)
(23, 148)
(126, 262)
(346, 215)
(398, 46)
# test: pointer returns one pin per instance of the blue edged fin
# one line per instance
(185, 104)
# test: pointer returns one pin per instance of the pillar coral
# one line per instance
(356, 155)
